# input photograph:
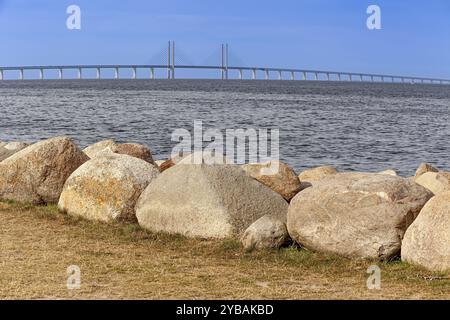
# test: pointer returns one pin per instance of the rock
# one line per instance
(207, 201)
(357, 215)
(427, 240)
(436, 182)
(100, 148)
(310, 176)
(159, 162)
(135, 150)
(8, 149)
(389, 172)
(283, 180)
(107, 187)
(266, 232)
(2, 144)
(198, 158)
(109, 146)
(194, 158)
(37, 173)
(169, 163)
(16, 145)
(424, 168)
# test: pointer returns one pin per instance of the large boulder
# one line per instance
(169, 163)
(109, 146)
(207, 201)
(277, 176)
(2, 144)
(436, 182)
(197, 158)
(389, 172)
(427, 240)
(8, 149)
(424, 168)
(268, 232)
(358, 215)
(310, 176)
(37, 173)
(135, 150)
(106, 188)
(99, 148)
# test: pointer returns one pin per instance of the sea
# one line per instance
(354, 126)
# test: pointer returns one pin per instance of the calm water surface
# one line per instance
(353, 126)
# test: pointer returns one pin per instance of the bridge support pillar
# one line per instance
(60, 74)
(79, 73)
(280, 76)
(304, 75)
(371, 78)
(98, 73)
(267, 75)
(134, 72)
(350, 77)
(361, 78)
(254, 74)
(328, 77)
(116, 73)
(152, 73)
(1, 74)
(41, 74)
(339, 76)
(292, 75)
(21, 74)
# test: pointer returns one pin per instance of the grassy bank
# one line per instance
(37, 244)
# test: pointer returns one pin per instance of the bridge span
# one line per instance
(227, 72)
(224, 68)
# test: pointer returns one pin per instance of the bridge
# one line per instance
(226, 71)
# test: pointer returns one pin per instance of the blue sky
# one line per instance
(320, 34)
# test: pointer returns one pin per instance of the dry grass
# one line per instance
(124, 262)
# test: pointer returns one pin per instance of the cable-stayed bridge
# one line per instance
(171, 59)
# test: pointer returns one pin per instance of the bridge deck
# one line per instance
(315, 74)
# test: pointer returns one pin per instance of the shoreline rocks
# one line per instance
(357, 215)
(109, 146)
(310, 176)
(37, 173)
(389, 172)
(354, 214)
(8, 149)
(424, 168)
(436, 182)
(107, 187)
(277, 176)
(268, 232)
(427, 240)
